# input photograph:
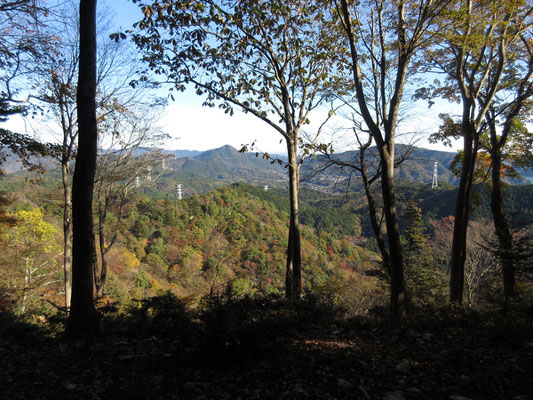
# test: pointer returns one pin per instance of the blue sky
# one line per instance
(194, 127)
(201, 128)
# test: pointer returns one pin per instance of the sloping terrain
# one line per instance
(227, 164)
(272, 351)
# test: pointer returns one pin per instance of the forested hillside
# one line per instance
(337, 212)
(133, 271)
(196, 284)
(203, 171)
(232, 238)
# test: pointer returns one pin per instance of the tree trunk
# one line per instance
(503, 232)
(462, 211)
(100, 280)
(83, 319)
(293, 282)
(26, 288)
(376, 226)
(385, 140)
(398, 299)
(67, 232)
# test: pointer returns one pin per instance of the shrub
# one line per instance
(142, 280)
(238, 288)
(354, 298)
(165, 313)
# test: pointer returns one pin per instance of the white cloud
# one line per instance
(204, 128)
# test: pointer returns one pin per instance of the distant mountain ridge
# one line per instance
(418, 167)
(226, 164)
(11, 163)
(175, 153)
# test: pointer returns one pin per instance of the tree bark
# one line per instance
(67, 231)
(398, 299)
(376, 226)
(293, 281)
(100, 280)
(83, 319)
(25, 289)
(503, 231)
(66, 157)
(462, 211)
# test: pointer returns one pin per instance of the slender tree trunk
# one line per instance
(293, 282)
(376, 226)
(398, 299)
(83, 319)
(462, 213)
(100, 281)
(385, 140)
(503, 231)
(27, 279)
(67, 232)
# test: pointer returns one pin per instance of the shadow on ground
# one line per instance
(270, 349)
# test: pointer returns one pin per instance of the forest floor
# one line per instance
(271, 350)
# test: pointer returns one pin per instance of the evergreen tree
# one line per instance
(414, 234)
(422, 278)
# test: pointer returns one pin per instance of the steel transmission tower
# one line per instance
(178, 188)
(435, 182)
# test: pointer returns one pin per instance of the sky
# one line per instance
(194, 127)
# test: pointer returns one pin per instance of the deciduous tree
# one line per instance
(507, 135)
(57, 94)
(364, 163)
(83, 319)
(35, 246)
(472, 50)
(272, 59)
(479, 260)
(122, 133)
(23, 45)
(383, 38)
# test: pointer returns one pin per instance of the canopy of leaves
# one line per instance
(23, 44)
(472, 54)
(273, 59)
(31, 228)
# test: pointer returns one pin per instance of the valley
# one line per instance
(230, 232)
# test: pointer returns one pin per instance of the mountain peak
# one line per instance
(226, 149)
(220, 153)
